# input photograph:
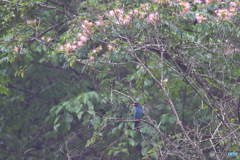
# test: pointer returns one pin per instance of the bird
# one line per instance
(137, 114)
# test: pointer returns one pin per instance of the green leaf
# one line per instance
(110, 152)
(95, 121)
(132, 142)
(125, 150)
(56, 126)
(68, 117)
(114, 130)
(80, 115)
(131, 133)
(164, 118)
(56, 119)
(120, 125)
(90, 105)
(85, 98)
(115, 153)
(144, 151)
(66, 126)
(172, 119)
(59, 109)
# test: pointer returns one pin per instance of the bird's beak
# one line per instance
(133, 104)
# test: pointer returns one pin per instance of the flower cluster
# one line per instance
(153, 17)
(200, 17)
(197, 1)
(48, 39)
(223, 14)
(161, 1)
(29, 22)
(185, 6)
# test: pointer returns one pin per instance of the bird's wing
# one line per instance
(135, 114)
(138, 113)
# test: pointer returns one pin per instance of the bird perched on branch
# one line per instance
(137, 114)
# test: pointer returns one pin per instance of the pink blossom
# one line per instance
(223, 14)
(73, 47)
(100, 47)
(144, 7)
(208, 1)
(233, 4)
(233, 10)
(16, 49)
(153, 17)
(212, 1)
(110, 47)
(111, 13)
(68, 44)
(157, 1)
(79, 34)
(165, 80)
(142, 15)
(94, 51)
(83, 27)
(197, 1)
(61, 47)
(79, 43)
(91, 58)
(185, 6)
(83, 38)
(97, 23)
(200, 17)
(49, 39)
(99, 17)
(28, 22)
(43, 38)
(68, 47)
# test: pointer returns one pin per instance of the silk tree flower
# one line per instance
(16, 49)
(100, 47)
(68, 47)
(153, 17)
(223, 14)
(28, 22)
(200, 17)
(165, 80)
(109, 47)
(79, 43)
(61, 47)
(233, 11)
(233, 4)
(119, 12)
(83, 38)
(212, 1)
(111, 13)
(142, 14)
(98, 23)
(43, 38)
(94, 51)
(144, 7)
(49, 39)
(157, 1)
(91, 58)
(197, 1)
(73, 47)
(185, 6)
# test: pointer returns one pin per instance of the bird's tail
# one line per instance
(136, 126)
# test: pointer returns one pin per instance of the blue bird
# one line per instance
(137, 114)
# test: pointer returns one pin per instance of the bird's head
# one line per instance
(136, 104)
